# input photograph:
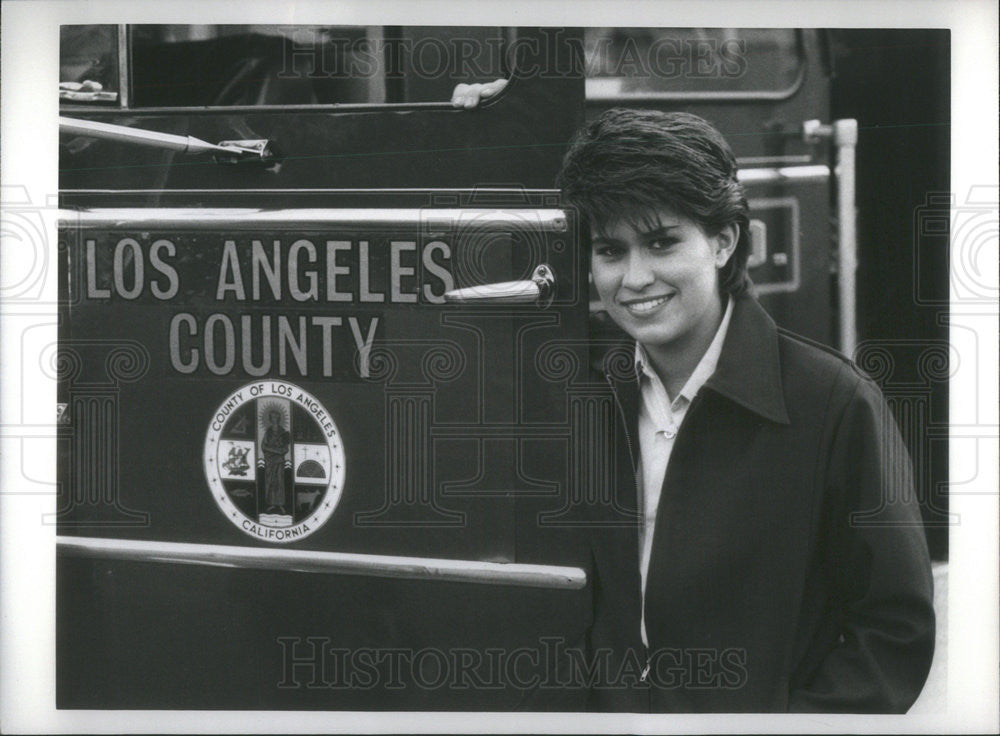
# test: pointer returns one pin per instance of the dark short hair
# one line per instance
(631, 163)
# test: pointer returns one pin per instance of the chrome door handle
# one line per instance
(539, 289)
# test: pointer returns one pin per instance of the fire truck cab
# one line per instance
(327, 439)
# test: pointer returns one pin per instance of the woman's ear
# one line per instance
(725, 244)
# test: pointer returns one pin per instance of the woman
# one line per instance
(753, 580)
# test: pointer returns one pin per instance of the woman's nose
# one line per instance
(638, 274)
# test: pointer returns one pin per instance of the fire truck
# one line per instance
(327, 437)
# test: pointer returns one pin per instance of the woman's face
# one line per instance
(660, 284)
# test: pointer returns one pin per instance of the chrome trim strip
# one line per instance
(816, 172)
(788, 160)
(344, 563)
(429, 219)
(124, 83)
(778, 175)
(484, 193)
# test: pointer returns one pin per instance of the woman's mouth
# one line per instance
(646, 306)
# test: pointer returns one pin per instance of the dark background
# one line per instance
(896, 83)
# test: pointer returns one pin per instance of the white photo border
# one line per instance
(30, 38)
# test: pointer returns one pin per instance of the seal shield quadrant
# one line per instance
(274, 461)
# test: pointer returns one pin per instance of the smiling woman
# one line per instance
(669, 221)
(661, 287)
(753, 453)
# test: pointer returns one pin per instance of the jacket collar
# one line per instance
(749, 369)
(748, 372)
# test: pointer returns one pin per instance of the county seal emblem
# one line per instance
(274, 461)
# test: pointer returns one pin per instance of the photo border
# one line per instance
(29, 50)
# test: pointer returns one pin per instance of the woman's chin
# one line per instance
(652, 336)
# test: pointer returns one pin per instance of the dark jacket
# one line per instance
(789, 568)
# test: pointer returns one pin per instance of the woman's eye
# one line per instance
(661, 244)
(609, 251)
